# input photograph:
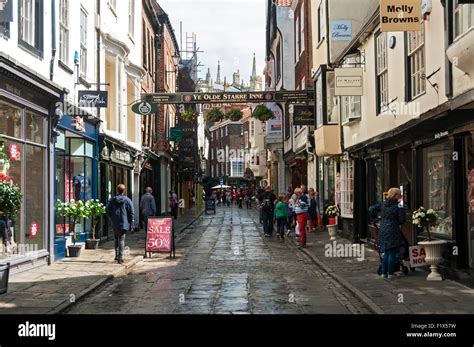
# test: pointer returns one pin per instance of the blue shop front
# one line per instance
(76, 174)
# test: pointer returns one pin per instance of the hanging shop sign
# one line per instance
(144, 108)
(6, 11)
(160, 236)
(341, 30)
(400, 15)
(349, 82)
(176, 134)
(303, 115)
(95, 99)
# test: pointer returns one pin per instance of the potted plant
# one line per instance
(215, 115)
(426, 219)
(10, 203)
(234, 115)
(332, 212)
(263, 113)
(95, 210)
(75, 210)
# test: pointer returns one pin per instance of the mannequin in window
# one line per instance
(81, 187)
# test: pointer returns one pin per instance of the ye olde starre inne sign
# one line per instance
(400, 15)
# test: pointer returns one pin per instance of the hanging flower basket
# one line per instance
(215, 115)
(263, 113)
(234, 115)
(189, 115)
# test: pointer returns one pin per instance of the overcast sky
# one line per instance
(227, 30)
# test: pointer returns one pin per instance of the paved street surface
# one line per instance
(50, 289)
(225, 266)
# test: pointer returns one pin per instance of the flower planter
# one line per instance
(434, 251)
(332, 230)
(74, 251)
(4, 276)
(92, 244)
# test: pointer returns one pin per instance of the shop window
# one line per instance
(10, 120)
(347, 189)
(35, 199)
(319, 100)
(83, 43)
(34, 128)
(438, 185)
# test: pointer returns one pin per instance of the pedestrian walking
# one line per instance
(174, 204)
(313, 210)
(390, 235)
(240, 198)
(267, 206)
(122, 217)
(248, 200)
(147, 206)
(301, 210)
(289, 206)
(281, 215)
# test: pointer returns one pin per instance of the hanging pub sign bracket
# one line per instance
(148, 104)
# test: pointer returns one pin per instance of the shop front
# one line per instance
(116, 167)
(26, 104)
(433, 166)
(76, 174)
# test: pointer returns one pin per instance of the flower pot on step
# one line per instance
(332, 230)
(74, 251)
(434, 252)
(92, 244)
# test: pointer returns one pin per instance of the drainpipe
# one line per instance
(53, 39)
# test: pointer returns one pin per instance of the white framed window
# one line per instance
(321, 22)
(83, 43)
(463, 18)
(416, 56)
(347, 189)
(382, 70)
(297, 39)
(226, 131)
(131, 17)
(302, 20)
(30, 28)
(64, 31)
(237, 168)
(351, 108)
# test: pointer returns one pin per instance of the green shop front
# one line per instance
(76, 174)
(116, 167)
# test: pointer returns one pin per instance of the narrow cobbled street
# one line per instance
(224, 265)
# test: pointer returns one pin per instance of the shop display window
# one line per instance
(438, 185)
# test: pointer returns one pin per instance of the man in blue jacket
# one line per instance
(122, 218)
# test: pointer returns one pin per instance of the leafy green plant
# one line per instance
(234, 115)
(263, 113)
(215, 115)
(10, 196)
(95, 209)
(188, 115)
(75, 210)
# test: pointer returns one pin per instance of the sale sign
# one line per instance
(34, 229)
(417, 256)
(159, 235)
(14, 152)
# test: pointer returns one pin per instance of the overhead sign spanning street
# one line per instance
(235, 97)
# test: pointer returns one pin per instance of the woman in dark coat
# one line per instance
(390, 235)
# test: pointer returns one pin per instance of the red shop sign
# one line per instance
(14, 152)
(34, 230)
(160, 236)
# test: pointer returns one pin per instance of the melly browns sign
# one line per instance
(400, 15)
